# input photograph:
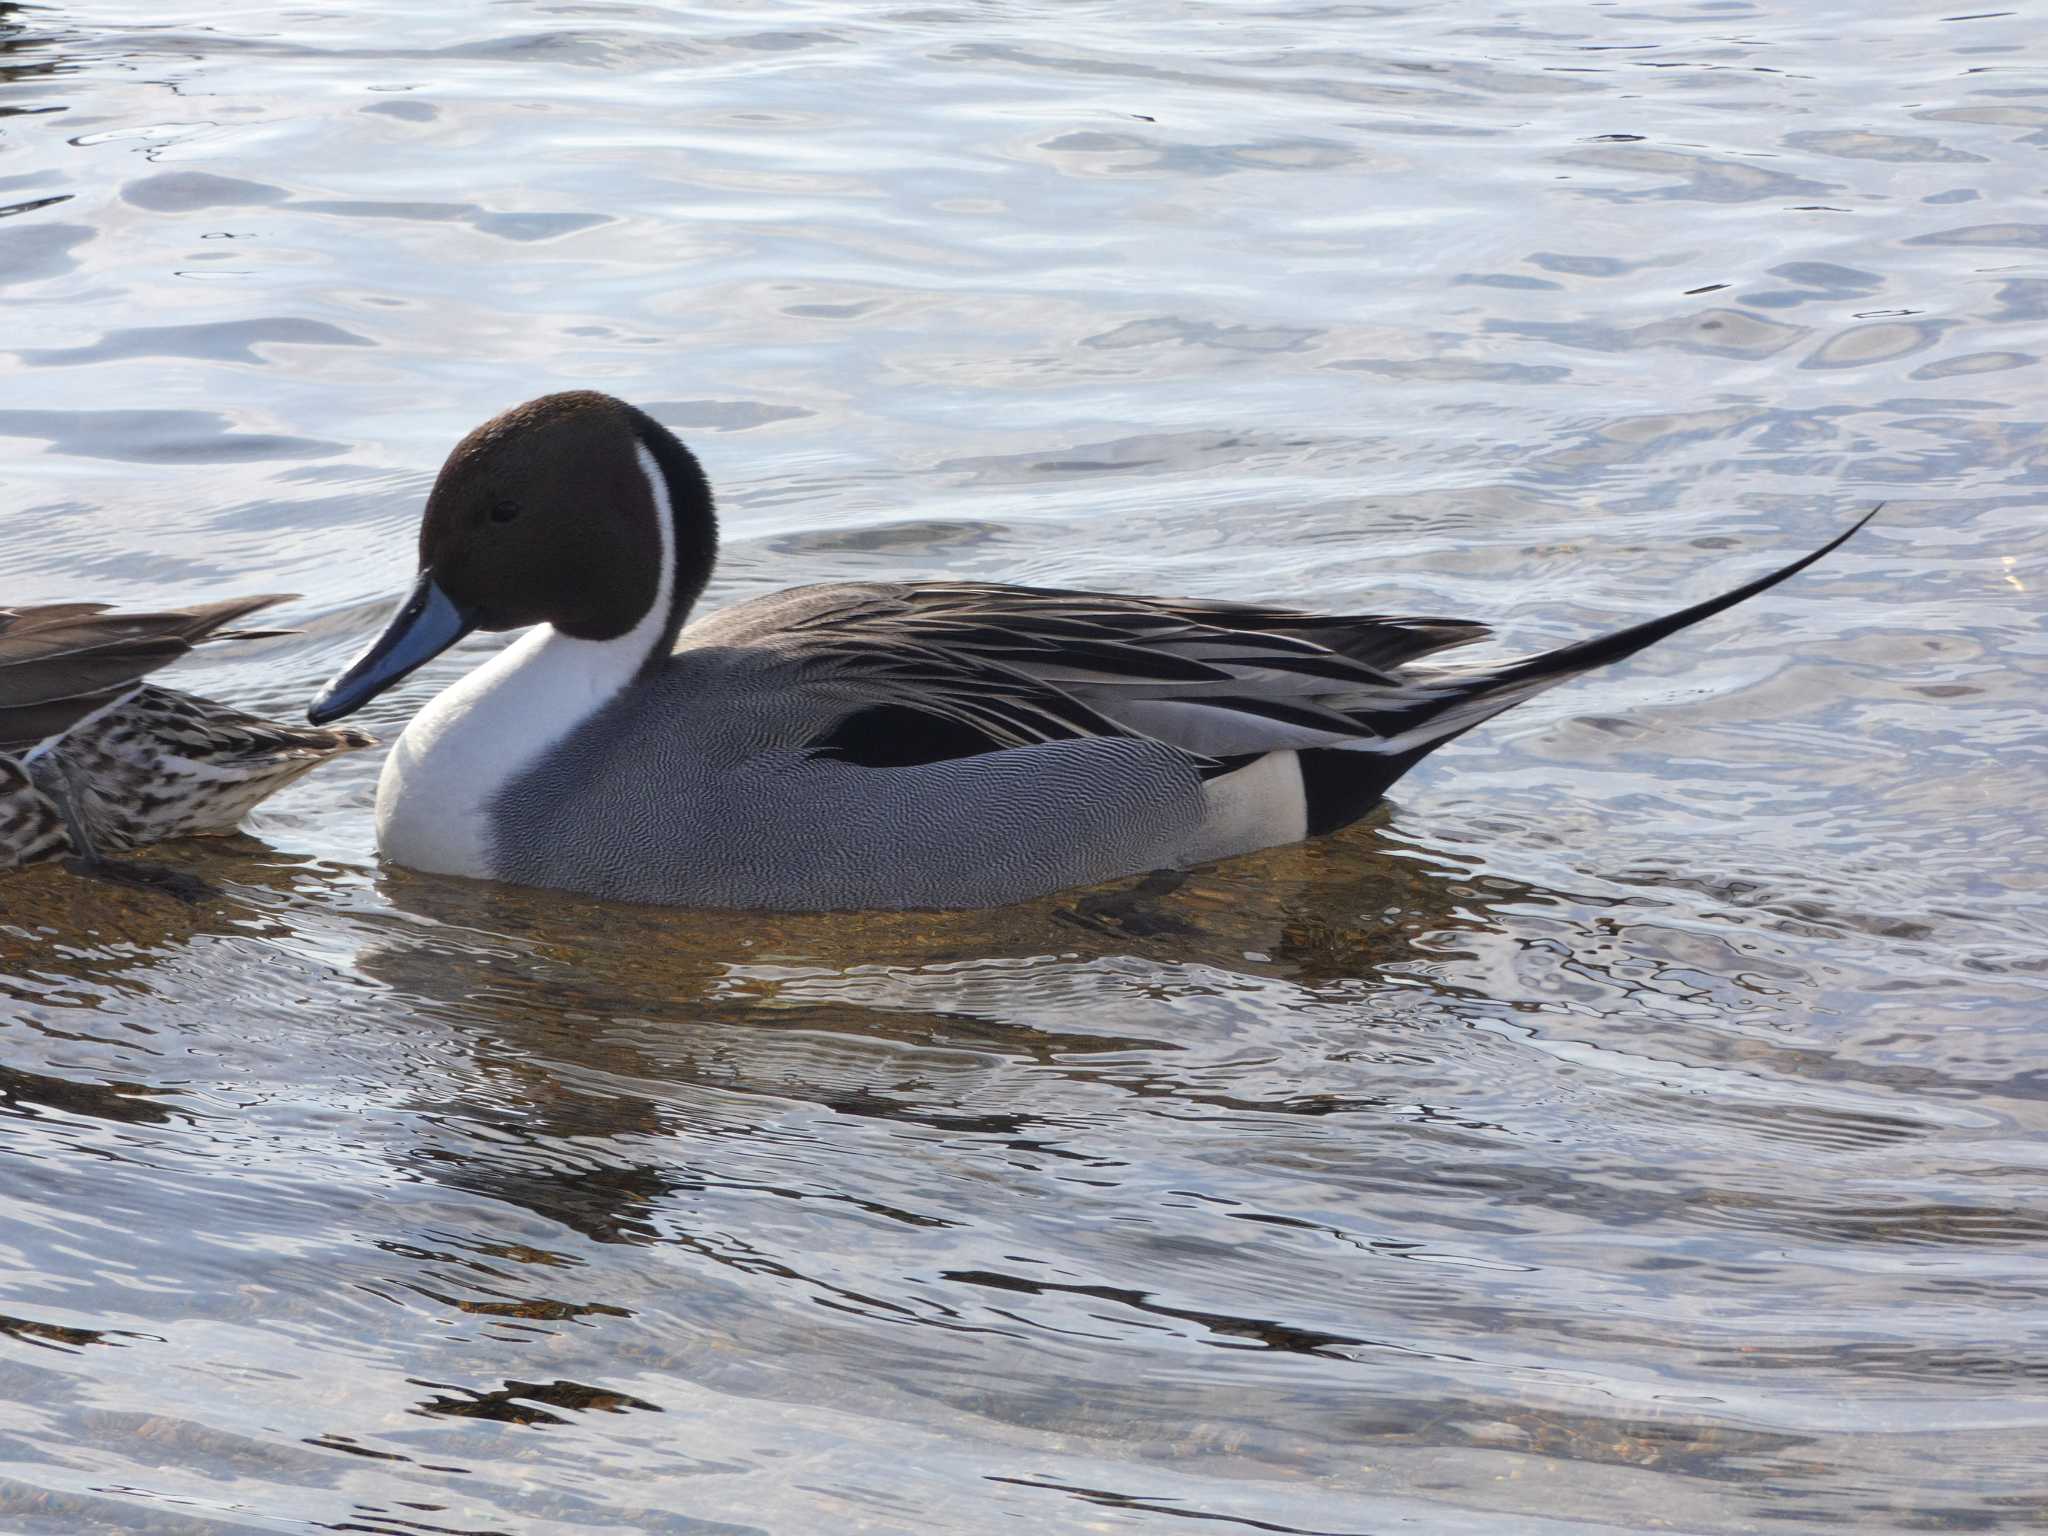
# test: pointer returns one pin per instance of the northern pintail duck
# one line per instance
(864, 745)
(93, 760)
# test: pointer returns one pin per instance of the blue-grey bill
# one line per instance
(426, 624)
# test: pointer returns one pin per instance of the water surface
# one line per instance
(1637, 1126)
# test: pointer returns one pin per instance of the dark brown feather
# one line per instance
(61, 661)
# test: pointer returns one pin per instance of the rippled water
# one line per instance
(1640, 1125)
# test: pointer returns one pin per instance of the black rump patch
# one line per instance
(897, 736)
(1338, 787)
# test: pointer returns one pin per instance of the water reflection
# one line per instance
(1242, 1062)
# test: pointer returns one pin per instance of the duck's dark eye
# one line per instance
(504, 511)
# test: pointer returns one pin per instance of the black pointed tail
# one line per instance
(1584, 655)
(1342, 784)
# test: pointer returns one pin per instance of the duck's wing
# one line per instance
(1353, 697)
(61, 661)
(951, 669)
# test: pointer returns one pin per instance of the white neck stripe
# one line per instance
(643, 637)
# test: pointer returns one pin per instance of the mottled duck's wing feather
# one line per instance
(31, 826)
(161, 764)
(205, 730)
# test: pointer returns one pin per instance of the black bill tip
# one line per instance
(426, 624)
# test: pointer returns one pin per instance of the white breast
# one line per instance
(475, 737)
